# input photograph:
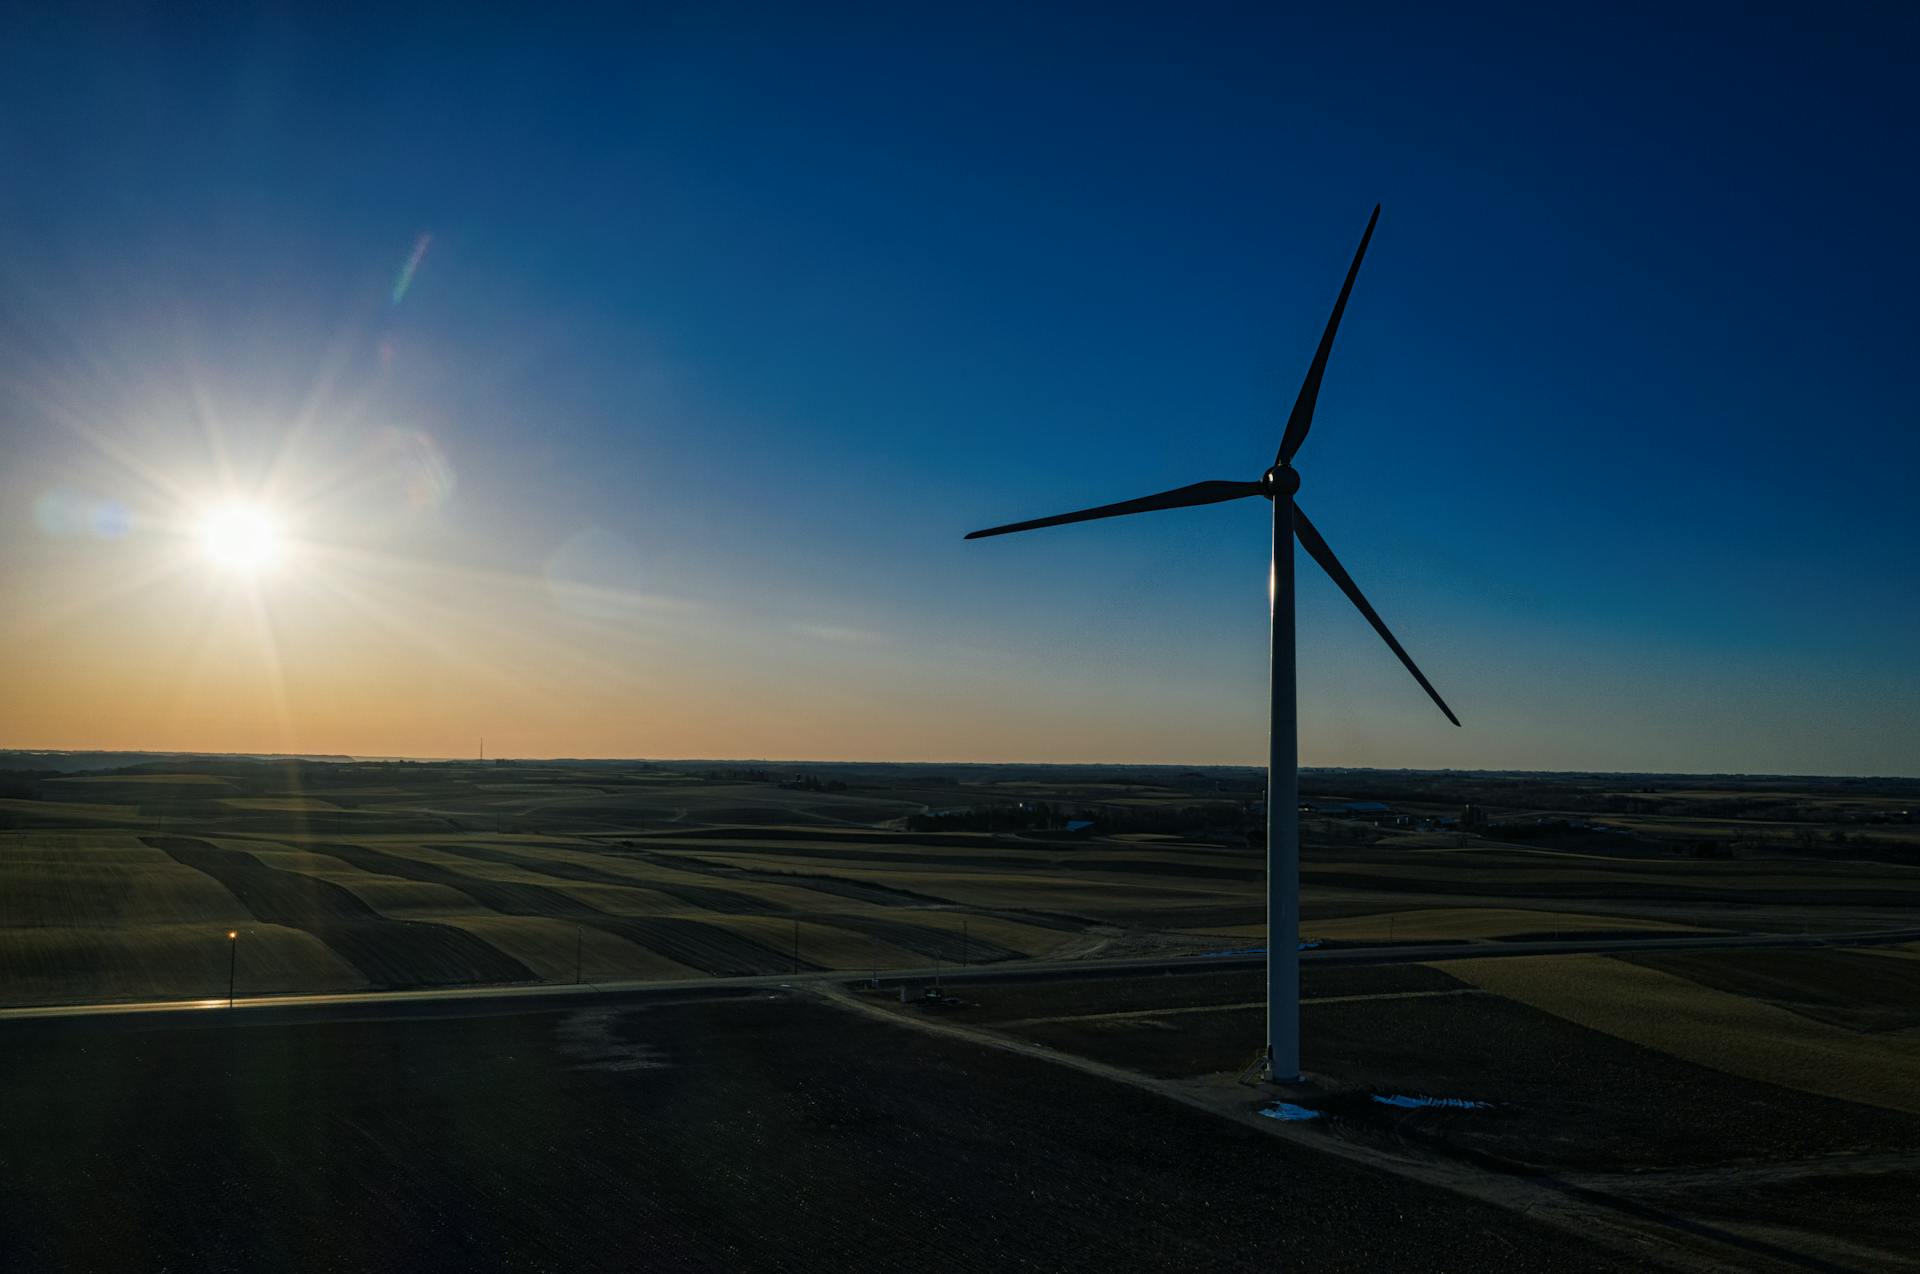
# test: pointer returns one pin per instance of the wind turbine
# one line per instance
(1279, 485)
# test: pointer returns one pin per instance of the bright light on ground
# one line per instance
(240, 537)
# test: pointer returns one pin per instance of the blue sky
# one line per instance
(734, 319)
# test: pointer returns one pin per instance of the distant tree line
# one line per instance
(23, 785)
(813, 783)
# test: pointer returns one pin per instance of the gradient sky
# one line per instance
(628, 384)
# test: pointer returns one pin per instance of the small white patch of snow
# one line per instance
(1419, 1103)
(1288, 1111)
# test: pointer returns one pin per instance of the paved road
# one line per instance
(467, 1001)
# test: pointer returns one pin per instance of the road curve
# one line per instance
(520, 998)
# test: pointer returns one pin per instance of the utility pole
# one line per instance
(233, 961)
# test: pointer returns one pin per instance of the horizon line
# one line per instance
(339, 758)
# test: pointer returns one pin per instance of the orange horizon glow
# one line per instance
(180, 614)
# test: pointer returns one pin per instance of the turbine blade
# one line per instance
(1179, 498)
(1317, 547)
(1302, 418)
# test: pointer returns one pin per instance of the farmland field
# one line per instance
(123, 884)
(1745, 1105)
(720, 1134)
(1800, 1149)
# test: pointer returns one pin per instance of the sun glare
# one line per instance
(240, 537)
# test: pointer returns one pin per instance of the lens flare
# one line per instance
(405, 279)
(61, 512)
(422, 467)
(241, 538)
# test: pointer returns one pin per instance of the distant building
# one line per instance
(1473, 816)
(1363, 807)
(1079, 825)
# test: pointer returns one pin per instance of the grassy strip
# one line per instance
(1730, 1033)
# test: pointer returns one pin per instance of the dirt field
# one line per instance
(1755, 1104)
(718, 1135)
(1523, 1094)
(1733, 1033)
(123, 884)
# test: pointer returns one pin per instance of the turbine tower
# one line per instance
(1279, 485)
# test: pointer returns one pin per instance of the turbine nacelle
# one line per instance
(1282, 479)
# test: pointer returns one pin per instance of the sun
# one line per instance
(242, 538)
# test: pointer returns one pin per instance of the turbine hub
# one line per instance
(1282, 479)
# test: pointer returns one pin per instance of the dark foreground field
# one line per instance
(748, 1132)
(1772, 1176)
(1746, 1097)
(1560, 1096)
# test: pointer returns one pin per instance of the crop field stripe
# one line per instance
(709, 947)
(850, 836)
(927, 940)
(1165, 867)
(1043, 860)
(837, 886)
(1770, 884)
(1494, 922)
(1848, 989)
(1725, 1032)
(1223, 1008)
(908, 856)
(1898, 953)
(507, 897)
(1392, 995)
(705, 897)
(387, 952)
(865, 891)
(696, 944)
(1605, 891)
